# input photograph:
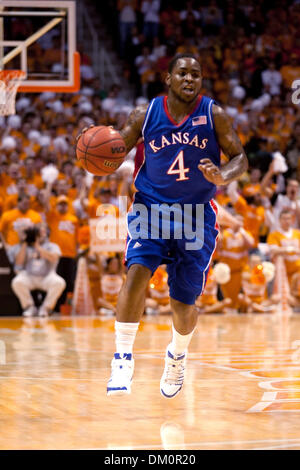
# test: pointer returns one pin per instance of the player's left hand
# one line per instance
(211, 172)
(83, 131)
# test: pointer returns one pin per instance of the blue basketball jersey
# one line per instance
(169, 173)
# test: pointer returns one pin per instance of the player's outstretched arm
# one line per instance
(132, 129)
(231, 145)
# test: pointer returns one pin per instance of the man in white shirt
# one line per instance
(150, 10)
(35, 260)
(290, 201)
(272, 80)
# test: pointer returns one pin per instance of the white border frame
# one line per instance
(71, 25)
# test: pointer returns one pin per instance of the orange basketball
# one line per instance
(101, 150)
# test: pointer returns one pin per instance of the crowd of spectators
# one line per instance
(253, 45)
(250, 55)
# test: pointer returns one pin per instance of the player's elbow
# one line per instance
(244, 163)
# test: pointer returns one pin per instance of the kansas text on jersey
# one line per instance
(173, 151)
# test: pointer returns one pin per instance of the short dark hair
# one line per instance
(173, 61)
(286, 211)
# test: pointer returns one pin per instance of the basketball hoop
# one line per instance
(10, 81)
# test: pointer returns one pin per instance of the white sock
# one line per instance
(180, 342)
(125, 336)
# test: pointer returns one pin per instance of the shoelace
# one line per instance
(175, 372)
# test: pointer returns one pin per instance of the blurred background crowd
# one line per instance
(250, 56)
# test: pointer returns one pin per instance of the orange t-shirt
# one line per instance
(53, 203)
(11, 202)
(291, 259)
(289, 74)
(12, 221)
(234, 251)
(36, 181)
(63, 231)
(253, 217)
(251, 188)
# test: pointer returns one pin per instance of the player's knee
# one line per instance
(182, 308)
(138, 277)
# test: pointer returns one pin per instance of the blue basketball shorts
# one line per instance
(184, 239)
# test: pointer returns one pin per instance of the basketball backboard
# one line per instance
(39, 37)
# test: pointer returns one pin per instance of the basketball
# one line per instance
(101, 150)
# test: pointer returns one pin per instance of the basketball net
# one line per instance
(282, 288)
(82, 298)
(10, 80)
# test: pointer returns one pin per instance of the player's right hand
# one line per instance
(86, 129)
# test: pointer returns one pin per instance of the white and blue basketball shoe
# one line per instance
(173, 376)
(122, 367)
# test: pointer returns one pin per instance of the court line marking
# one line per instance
(278, 411)
(269, 396)
(259, 407)
(267, 384)
(246, 356)
(276, 447)
(201, 444)
(50, 378)
(250, 373)
(137, 380)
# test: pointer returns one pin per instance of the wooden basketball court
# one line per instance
(242, 387)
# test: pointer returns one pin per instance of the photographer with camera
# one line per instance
(35, 259)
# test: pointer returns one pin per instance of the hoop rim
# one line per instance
(11, 74)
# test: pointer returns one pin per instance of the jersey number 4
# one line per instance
(180, 170)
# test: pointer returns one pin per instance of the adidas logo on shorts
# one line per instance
(137, 245)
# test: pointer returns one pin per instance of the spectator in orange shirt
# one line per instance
(10, 180)
(251, 208)
(40, 203)
(67, 168)
(14, 221)
(291, 71)
(33, 179)
(253, 186)
(61, 188)
(101, 197)
(233, 248)
(63, 231)
(111, 283)
(11, 200)
(286, 242)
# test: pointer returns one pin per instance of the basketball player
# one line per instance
(183, 133)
